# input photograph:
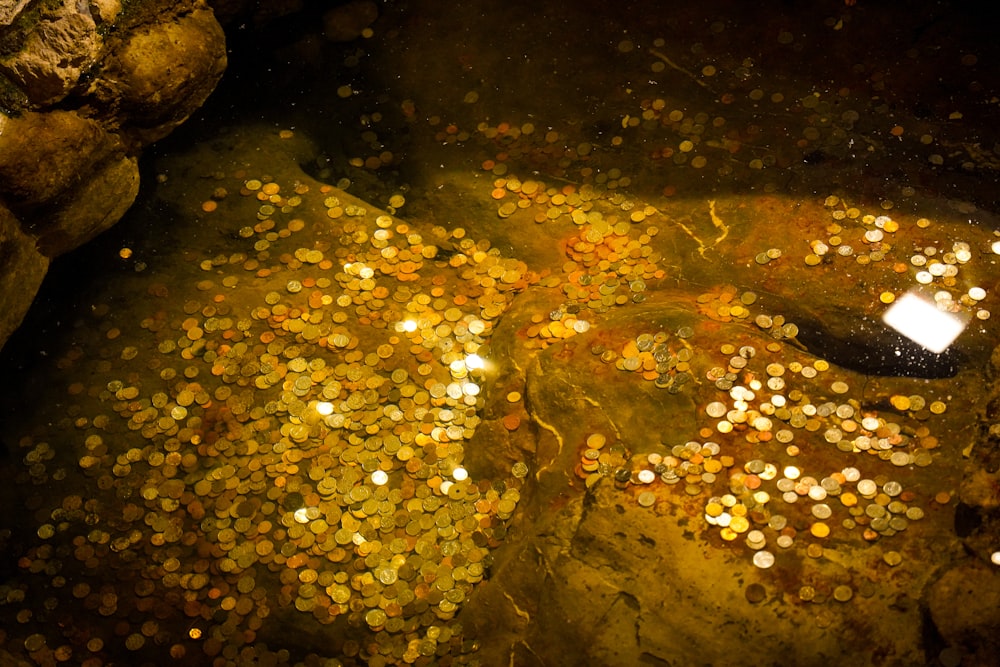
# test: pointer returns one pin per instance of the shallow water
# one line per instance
(438, 346)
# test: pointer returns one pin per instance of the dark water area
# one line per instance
(533, 335)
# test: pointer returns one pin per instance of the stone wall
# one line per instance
(84, 86)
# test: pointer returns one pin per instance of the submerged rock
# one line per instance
(963, 609)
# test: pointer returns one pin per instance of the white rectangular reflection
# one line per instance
(922, 322)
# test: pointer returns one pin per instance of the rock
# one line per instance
(165, 71)
(10, 10)
(97, 204)
(995, 361)
(23, 270)
(123, 75)
(105, 11)
(63, 146)
(981, 489)
(962, 606)
(57, 47)
(589, 576)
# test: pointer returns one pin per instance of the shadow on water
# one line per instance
(75, 282)
(873, 349)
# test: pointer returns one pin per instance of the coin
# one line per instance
(755, 593)
(819, 529)
(821, 511)
(892, 558)
(843, 593)
(716, 409)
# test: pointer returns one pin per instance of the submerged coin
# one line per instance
(755, 593)
(843, 593)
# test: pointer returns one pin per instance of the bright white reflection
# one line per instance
(409, 326)
(324, 408)
(922, 322)
(474, 361)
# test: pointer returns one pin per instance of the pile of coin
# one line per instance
(293, 436)
(599, 460)
(867, 240)
(659, 358)
(768, 400)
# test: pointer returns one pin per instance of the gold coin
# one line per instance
(843, 593)
(713, 466)
(819, 529)
(900, 402)
(596, 440)
(739, 524)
